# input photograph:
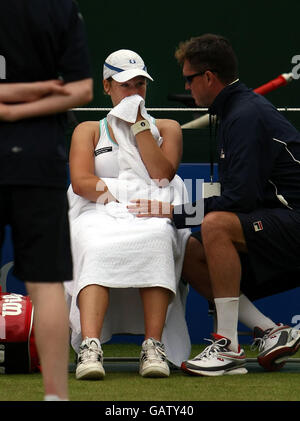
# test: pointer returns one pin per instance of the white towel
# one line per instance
(134, 181)
(129, 159)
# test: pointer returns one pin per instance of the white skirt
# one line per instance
(126, 253)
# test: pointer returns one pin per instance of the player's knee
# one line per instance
(216, 224)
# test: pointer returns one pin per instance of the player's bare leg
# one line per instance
(93, 302)
(153, 361)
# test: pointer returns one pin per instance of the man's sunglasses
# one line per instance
(189, 79)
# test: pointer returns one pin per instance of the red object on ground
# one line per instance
(18, 353)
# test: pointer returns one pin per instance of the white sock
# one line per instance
(251, 317)
(227, 314)
(53, 398)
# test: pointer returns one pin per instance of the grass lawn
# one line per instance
(123, 383)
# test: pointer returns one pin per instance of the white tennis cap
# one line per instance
(123, 65)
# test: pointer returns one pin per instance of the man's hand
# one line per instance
(47, 87)
(36, 99)
(151, 208)
(18, 93)
(23, 93)
(4, 112)
(53, 87)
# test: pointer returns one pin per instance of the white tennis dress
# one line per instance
(113, 248)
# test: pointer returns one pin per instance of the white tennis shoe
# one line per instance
(153, 360)
(217, 360)
(276, 345)
(90, 361)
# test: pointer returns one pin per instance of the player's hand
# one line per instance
(150, 208)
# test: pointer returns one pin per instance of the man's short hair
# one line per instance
(210, 52)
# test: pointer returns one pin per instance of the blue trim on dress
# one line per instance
(107, 132)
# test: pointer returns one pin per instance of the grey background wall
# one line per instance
(265, 36)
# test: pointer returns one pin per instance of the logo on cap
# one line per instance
(132, 61)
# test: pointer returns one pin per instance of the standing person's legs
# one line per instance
(40, 234)
(51, 327)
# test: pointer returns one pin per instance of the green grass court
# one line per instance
(123, 383)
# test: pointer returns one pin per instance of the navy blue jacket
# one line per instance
(259, 155)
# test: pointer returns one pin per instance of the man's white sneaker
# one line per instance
(276, 345)
(216, 360)
(90, 361)
(153, 360)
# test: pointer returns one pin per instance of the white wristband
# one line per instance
(140, 126)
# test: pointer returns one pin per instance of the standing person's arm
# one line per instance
(13, 94)
(74, 94)
(31, 91)
(73, 65)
